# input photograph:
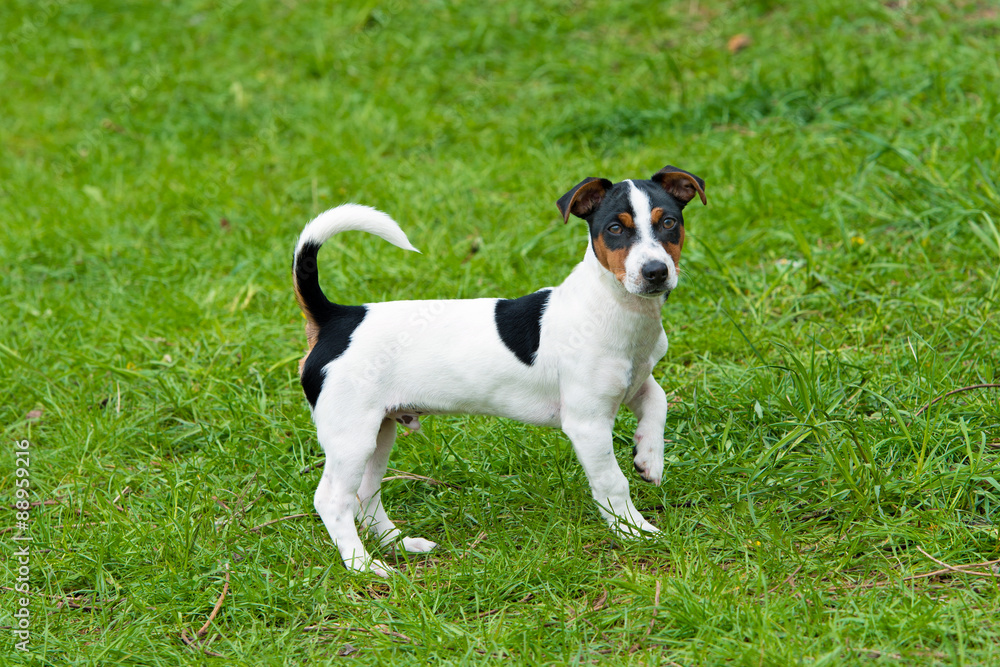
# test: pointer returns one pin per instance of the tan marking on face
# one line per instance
(626, 220)
(612, 260)
(655, 215)
(674, 249)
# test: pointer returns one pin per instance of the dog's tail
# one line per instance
(305, 276)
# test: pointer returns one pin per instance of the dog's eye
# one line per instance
(616, 229)
(669, 223)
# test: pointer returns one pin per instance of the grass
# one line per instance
(160, 159)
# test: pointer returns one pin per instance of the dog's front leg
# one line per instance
(650, 407)
(591, 438)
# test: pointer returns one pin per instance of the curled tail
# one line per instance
(305, 275)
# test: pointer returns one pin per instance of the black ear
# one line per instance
(681, 184)
(584, 198)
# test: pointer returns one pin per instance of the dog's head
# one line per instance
(636, 227)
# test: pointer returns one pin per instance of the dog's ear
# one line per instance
(584, 198)
(681, 184)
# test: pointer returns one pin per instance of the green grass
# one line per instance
(159, 160)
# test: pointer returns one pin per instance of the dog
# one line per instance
(566, 356)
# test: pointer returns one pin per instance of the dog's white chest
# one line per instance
(567, 356)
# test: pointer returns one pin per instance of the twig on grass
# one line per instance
(272, 521)
(649, 628)
(964, 568)
(953, 392)
(875, 654)
(68, 525)
(91, 603)
(656, 608)
(217, 607)
(37, 503)
(71, 602)
(949, 569)
(475, 543)
(211, 617)
(396, 474)
(379, 629)
(242, 507)
(790, 579)
(399, 474)
(318, 463)
(121, 496)
(491, 612)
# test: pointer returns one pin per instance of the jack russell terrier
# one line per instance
(565, 356)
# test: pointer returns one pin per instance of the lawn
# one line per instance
(158, 161)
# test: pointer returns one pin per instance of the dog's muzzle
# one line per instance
(656, 274)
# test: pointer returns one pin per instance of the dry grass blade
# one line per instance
(475, 543)
(790, 579)
(211, 617)
(599, 602)
(90, 524)
(948, 569)
(399, 474)
(379, 629)
(273, 521)
(121, 496)
(960, 390)
(656, 606)
(395, 474)
(964, 569)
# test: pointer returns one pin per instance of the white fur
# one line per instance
(598, 346)
(353, 217)
(646, 248)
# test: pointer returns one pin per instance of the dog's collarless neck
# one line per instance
(606, 287)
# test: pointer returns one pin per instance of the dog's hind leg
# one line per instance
(349, 448)
(371, 513)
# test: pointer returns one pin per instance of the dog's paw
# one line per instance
(636, 531)
(380, 568)
(369, 565)
(417, 545)
(626, 521)
(648, 459)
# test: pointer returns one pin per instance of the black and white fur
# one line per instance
(566, 356)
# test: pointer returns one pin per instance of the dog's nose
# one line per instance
(655, 272)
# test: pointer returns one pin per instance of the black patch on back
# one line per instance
(334, 337)
(519, 323)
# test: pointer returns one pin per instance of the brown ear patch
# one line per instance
(681, 184)
(612, 260)
(586, 200)
(674, 249)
